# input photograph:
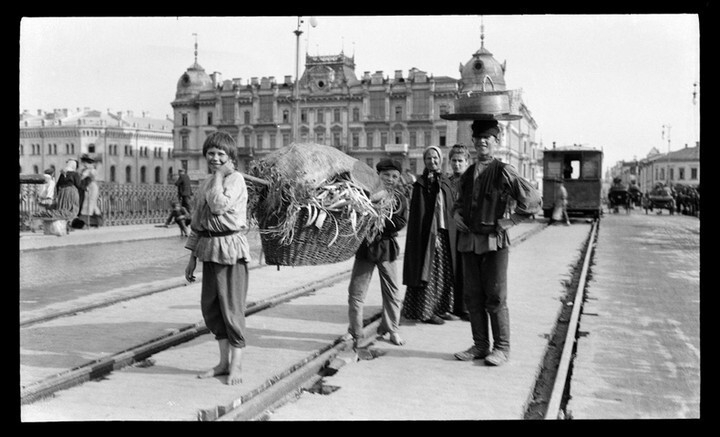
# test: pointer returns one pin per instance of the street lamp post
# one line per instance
(296, 89)
(667, 163)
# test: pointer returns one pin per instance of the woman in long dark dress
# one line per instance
(430, 245)
(68, 187)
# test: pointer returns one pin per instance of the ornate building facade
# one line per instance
(125, 148)
(370, 117)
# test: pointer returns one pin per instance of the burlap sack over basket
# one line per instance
(318, 207)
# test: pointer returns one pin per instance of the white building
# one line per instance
(126, 148)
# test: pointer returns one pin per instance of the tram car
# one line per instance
(580, 169)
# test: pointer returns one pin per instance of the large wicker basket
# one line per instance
(311, 246)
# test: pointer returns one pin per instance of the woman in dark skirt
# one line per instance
(430, 245)
(69, 186)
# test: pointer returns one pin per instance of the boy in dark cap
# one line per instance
(479, 212)
(381, 253)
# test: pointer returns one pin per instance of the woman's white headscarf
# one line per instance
(436, 149)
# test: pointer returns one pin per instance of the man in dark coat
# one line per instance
(184, 189)
(486, 189)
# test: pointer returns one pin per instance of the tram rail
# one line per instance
(252, 406)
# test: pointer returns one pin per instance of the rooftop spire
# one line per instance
(195, 35)
(482, 33)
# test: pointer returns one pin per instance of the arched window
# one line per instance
(170, 175)
(36, 170)
(128, 174)
(112, 174)
(143, 178)
(158, 171)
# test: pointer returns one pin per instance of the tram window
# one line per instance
(571, 167)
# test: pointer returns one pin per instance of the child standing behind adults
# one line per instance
(459, 160)
(217, 239)
(430, 245)
(381, 253)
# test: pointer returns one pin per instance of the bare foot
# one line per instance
(215, 371)
(235, 375)
(396, 339)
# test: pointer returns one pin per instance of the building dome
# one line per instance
(194, 80)
(482, 68)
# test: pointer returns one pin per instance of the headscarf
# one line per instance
(433, 177)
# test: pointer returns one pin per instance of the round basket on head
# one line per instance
(312, 246)
(483, 105)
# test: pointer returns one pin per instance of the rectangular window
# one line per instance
(383, 139)
(398, 113)
(184, 145)
(336, 139)
(272, 141)
(355, 140)
(336, 115)
(184, 119)
(443, 139)
(320, 115)
(246, 138)
(377, 105)
(286, 140)
(356, 114)
(259, 141)
(228, 108)
(369, 140)
(209, 118)
(266, 108)
(246, 117)
(413, 139)
(303, 115)
(693, 173)
(681, 173)
(427, 140)
(421, 102)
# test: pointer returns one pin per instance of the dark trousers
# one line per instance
(185, 202)
(222, 300)
(459, 307)
(485, 292)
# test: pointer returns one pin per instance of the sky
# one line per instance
(611, 81)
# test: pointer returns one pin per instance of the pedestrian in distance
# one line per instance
(69, 187)
(218, 239)
(184, 187)
(180, 215)
(484, 243)
(459, 160)
(560, 202)
(46, 196)
(429, 245)
(90, 207)
(380, 253)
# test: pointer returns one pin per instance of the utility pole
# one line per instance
(667, 164)
(296, 90)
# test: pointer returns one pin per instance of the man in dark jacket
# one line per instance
(381, 252)
(184, 189)
(483, 241)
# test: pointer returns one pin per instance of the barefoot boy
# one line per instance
(216, 239)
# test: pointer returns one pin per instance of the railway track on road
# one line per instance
(277, 390)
